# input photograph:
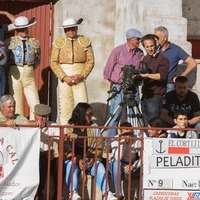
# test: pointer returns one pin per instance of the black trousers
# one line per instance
(43, 177)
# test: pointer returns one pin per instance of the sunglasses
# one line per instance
(70, 29)
(22, 30)
(135, 38)
(126, 134)
(90, 114)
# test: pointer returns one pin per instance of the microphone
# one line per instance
(114, 89)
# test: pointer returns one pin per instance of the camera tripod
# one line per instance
(133, 113)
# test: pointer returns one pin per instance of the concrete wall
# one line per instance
(191, 10)
(106, 22)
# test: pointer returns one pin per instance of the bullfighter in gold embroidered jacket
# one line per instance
(72, 60)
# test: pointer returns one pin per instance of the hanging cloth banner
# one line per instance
(19, 163)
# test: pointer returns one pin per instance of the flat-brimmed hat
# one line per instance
(42, 109)
(133, 33)
(71, 22)
(22, 22)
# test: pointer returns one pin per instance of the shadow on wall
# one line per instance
(101, 113)
(44, 92)
(53, 96)
(192, 77)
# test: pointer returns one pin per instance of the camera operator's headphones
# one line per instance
(155, 38)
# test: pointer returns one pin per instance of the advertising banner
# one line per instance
(19, 163)
(171, 169)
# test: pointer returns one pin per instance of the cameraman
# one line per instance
(125, 54)
(155, 82)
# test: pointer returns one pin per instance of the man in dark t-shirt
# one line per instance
(181, 98)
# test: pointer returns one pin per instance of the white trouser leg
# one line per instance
(30, 89)
(69, 96)
(21, 79)
(16, 88)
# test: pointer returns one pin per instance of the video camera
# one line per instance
(130, 81)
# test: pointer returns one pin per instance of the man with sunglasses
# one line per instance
(23, 58)
(72, 60)
(174, 53)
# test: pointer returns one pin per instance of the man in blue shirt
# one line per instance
(174, 53)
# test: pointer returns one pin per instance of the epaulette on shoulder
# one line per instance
(34, 42)
(12, 42)
(60, 42)
(84, 41)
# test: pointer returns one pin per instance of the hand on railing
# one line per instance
(40, 123)
(72, 136)
(10, 122)
(87, 164)
(128, 168)
(69, 156)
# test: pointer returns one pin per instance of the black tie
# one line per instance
(24, 49)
